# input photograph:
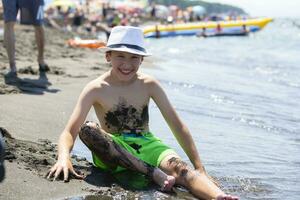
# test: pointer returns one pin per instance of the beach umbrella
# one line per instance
(173, 8)
(63, 3)
(129, 5)
(96, 5)
(199, 10)
(161, 11)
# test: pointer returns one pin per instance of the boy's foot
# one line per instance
(165, 181)
(2, 154)
(168, 184)
(226, 197)
(44, 68)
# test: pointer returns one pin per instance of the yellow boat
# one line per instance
(230, 27)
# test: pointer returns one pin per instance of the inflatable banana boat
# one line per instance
(206, 29)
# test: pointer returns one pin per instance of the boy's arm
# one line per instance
(178, 128)
(69, 134)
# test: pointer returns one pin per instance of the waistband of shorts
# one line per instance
(133, 134)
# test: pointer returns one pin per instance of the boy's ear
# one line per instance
(108, 56)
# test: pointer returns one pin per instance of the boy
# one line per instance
(120, 98)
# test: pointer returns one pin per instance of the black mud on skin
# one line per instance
(110, 152)
(126, 117)
(180, 167)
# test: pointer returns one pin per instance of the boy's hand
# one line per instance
(64, 166)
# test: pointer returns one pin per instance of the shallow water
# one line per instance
(240, 97)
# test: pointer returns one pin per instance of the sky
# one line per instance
(267, 8)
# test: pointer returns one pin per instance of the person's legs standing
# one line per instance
(37, 11)
(9, 42)
(40, 42)
(11, 8)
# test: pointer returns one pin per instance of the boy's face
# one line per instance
(124, 65)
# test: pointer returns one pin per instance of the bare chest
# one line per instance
(124, 110)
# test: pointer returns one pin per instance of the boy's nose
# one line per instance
(126, 65)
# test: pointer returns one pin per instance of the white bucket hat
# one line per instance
(127, 39)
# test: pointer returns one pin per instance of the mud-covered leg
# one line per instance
(197, 183)
(112, 154)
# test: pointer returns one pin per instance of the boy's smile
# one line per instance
(124, 65)
(125, 71)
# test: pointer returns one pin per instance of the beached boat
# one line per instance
(221, 28)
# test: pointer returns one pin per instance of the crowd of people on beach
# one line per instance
(94, 17)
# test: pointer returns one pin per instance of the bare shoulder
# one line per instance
(151, 84)
(147, 79)
(97, 84)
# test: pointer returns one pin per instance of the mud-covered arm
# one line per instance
(176, 125)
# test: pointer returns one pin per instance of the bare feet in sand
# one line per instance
(226, 197)
(165, 181)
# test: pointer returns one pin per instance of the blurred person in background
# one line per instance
(31, 13)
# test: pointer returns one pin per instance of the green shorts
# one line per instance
(144, 146)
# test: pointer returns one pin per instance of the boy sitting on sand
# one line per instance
(120, 98)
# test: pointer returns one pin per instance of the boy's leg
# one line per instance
(112, 154)
(197, 183)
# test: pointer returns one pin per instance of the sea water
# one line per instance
(240, 98)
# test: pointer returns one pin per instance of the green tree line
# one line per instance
(210, 7)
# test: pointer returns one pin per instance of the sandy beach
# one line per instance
(34, 110)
